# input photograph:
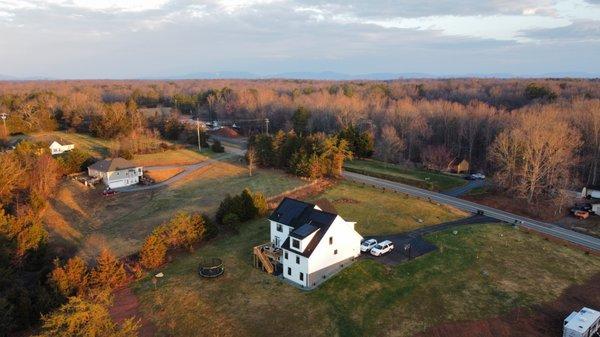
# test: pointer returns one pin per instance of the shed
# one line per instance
(459, 165)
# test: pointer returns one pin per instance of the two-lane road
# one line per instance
(542, 227)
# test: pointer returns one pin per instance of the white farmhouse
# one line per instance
(116, 172)
(584, 323)
(60, 147)
(310, 244)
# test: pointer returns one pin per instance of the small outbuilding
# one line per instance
(459, 166)
(57, 147)
(116, 172)
(584, 323)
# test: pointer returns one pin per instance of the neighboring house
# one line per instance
(310, 244)
(60, 147)
(584, 323)
(116, 172)
(590, 192)
(459, 166)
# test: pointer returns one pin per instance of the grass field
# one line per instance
(162, 175)
(482, 271)
(97, 147)
(379, 212)
(417, 177)
(87, 222)
(171, 157)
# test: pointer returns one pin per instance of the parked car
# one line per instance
(366, 245)
(581, 214)
(383, 247)
(475, 176)
(108, 192)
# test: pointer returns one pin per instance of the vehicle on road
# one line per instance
(382, 248)
(108, 192)
(367, 245)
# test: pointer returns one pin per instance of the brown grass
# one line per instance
(162, 175)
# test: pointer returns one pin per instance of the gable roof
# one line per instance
(112, 164)
(61, 143)
(305, 219)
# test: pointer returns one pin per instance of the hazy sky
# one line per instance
(139, 38)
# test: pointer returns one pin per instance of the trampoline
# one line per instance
(211, 267)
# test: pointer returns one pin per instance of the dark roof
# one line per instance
(112, 164)
(305, 219)
(288, 210)
(304, 231)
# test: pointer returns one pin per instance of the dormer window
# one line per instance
(279, 227)
(296, 243)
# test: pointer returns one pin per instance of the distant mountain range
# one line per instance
(329, 75)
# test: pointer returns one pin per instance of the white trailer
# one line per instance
(584, 323)
(587, 193)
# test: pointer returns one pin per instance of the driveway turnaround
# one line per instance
(539, 226)
(410, 245)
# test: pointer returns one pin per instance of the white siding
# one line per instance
(278, 237)
(345, 240)
(295, 268)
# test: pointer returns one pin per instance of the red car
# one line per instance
(108, 192)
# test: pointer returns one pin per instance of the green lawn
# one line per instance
(384, 212)
(417, 177)
(481, 272)
(89, 222)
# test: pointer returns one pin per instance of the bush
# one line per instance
(245, 206)
(74, 161)
(217, 147)
(153, 252)
(231, 220)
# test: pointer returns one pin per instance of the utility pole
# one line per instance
(267, 125)
(198, 132)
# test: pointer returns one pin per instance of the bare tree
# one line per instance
(535, 158)
(390, 145)
(251, 159)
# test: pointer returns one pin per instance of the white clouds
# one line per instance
(136, 37)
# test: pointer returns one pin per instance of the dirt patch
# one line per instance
(346, 201)
(539, 321)
(226, 132)
(127, 305)
(161, 175)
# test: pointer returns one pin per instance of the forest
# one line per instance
(535, 137)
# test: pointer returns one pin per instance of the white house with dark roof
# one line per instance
(57, 147)
(116, 172)
(314, 244)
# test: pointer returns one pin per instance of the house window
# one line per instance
(331, 240)
(335, 252)
(295, 243)
(289, 271)
(301, 276)
(285, 255)
(279, 228)
(297, 259)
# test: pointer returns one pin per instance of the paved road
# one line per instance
(542, 227)
(462, 190)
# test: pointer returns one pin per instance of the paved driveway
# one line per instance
(410, 245)
(187, 169)
(462, 190)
